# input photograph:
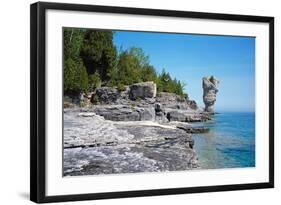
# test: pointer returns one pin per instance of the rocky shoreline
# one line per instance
(93, 145)
(135, 130)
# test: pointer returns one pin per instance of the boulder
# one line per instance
(105, 95)
(172, 100)
(210, 89)
(142, 90)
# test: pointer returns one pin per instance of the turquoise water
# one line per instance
(230, 142)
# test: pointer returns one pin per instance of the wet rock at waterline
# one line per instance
(186, 115)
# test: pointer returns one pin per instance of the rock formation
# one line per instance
(106, 95)
(210, 89)
(192, 104)
(140, 102)
(125, 112)
(142, 90)
(132, 130)
(172, 100)
(186, 115)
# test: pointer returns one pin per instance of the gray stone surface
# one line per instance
(160, 114)
(210, 89)
(134, 130)
(142, 90)
(172, 100)
(192, 104)
(125, 112)
(192, 129)
(93, 145)
(106, 95)
(186, 115)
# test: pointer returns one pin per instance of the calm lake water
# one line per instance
(230, 142)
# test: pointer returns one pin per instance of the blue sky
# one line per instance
(190, 57)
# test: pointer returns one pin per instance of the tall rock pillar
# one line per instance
(210, 89)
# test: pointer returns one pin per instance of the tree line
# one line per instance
(91, 60)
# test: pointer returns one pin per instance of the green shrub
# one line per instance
(75, 76)
(165, 83)
(94, 81)
(185, 95)
(95, 99)
(91, 58)
(121, 87)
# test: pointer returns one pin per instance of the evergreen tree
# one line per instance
(148, 73)
(99, 53)
(75, 75)
(166, 84)
(90, 59)
(94, 81)
(73, 39)
(128, 68)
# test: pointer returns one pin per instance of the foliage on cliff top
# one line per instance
(91, 60)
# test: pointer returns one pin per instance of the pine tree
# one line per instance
(99, 53)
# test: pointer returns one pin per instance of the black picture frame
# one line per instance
(38, 101)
